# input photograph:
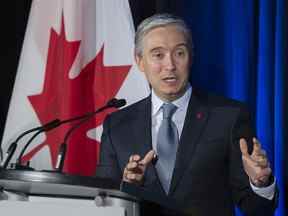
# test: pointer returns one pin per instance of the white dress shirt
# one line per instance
(178, 118)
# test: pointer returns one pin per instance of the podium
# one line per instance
(51, 193)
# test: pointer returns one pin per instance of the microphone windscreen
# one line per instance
(116, 103)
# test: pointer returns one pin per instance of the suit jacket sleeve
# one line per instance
(248, 201)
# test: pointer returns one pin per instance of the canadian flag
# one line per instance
(76, 56)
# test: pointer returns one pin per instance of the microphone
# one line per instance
(11, 149)
(1, 153)
(113, 103)
(116, 103)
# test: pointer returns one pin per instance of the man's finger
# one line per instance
(243, 147)
(262, 162)
(131, 165)
(256, 147)
(148, 158)
(248, 161)
(136, 170)
(134, 158)
(134, 177)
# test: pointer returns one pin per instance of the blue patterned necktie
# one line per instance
(167, 143)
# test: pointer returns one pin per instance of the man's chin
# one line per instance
(171, 96)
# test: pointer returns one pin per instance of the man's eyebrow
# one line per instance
(162, 48)
(181, 44)
(157, 49)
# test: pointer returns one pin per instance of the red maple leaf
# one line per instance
(64, 98)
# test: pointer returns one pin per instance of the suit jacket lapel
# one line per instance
(141, 128)
(195, 120)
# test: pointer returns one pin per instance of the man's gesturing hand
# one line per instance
(135, 168)
(256, 165)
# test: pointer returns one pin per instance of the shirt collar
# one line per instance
(181, 102)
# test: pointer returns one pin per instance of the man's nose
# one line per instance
(170, 62)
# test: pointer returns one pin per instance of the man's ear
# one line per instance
(139, 61)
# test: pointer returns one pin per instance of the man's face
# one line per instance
(165, 61)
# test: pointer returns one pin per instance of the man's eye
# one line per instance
(157, 55)
(180, 53)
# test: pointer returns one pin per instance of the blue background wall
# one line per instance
(241, 52)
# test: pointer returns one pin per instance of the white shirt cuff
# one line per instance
(266, 192)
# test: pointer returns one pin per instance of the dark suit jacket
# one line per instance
(208, 178)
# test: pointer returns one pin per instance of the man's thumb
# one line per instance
(243, 147)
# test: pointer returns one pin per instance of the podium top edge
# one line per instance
(58, 178)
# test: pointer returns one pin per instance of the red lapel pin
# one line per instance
(199, 115)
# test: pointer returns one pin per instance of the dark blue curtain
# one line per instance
(241, 52)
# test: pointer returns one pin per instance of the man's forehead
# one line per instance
(166, 28)
(165, 35)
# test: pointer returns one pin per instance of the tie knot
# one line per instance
(168, 110)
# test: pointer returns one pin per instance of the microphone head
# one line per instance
(51, 125)
(116, 103)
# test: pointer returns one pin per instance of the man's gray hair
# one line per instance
(161, 20)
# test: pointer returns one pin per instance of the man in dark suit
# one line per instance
(211, 160)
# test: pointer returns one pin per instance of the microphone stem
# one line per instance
(1, 153)
(26, 146)
(27, 132)
(87, 115)
(63, 146)
(72, 129)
